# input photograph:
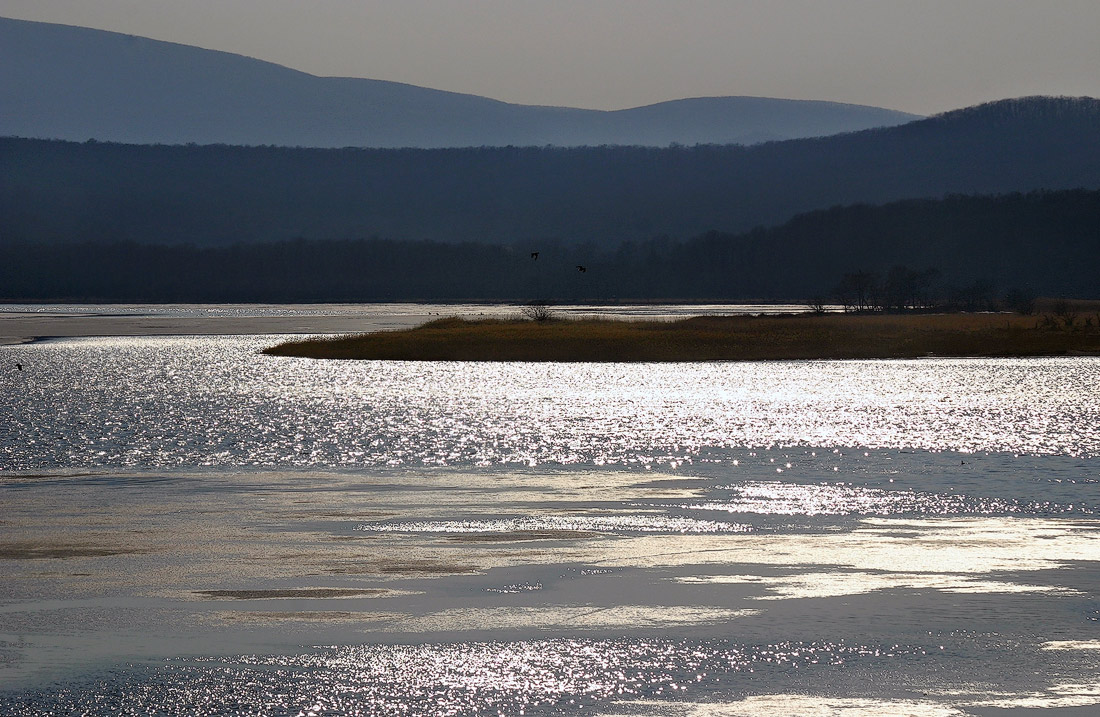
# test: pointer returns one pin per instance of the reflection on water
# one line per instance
(820, 538)
(800, 705)
(564, 676)
(774, 498)
(214, 402)
(546, 526)
(552, 676)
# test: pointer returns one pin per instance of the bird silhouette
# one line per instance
(581, 269)
(535, 255)
(19, 366)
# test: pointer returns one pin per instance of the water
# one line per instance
(212, 401)
(192, 528)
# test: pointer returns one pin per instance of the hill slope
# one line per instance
(966, 251)
(76, 83)
(62, 191)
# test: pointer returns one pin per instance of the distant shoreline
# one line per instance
(717, 338)
(24, 328)
(18, 326)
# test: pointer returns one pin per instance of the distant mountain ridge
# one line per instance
(63, 82)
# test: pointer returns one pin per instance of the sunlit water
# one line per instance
(193, 528)
(215, 402)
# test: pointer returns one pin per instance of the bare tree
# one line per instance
(1065, 312)
(816, 304)
(857, 291)
(538, 311)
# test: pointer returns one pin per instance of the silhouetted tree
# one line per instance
(977, 296)
(1021, 301)
(906, 288)
(858, 291)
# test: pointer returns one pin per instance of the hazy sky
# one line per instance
(923, 56)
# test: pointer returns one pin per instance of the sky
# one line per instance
(921, 56)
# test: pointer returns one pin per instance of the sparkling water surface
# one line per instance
(213, 401)
(193, 528)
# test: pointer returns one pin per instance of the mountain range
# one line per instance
(63, 82)
(182, 186)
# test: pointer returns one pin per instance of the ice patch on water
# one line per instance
(1065, 695)
(1071, 645)
(835, 584)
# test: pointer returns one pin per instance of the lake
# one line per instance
(193, 528)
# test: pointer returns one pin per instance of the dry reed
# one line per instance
(830, 336)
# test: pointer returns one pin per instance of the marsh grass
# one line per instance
(709, 338)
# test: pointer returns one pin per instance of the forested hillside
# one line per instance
(54, 191)
(970, 251)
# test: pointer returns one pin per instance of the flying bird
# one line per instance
(581, 269)
(535, 255)
(19, 366)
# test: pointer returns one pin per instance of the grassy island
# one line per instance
(739, 338)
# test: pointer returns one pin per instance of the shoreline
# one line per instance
(728, 338)
(18, 325)
(22, 329)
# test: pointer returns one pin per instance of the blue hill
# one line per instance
(62, 82)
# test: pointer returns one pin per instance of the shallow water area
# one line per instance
(583, 587)
(192, 528)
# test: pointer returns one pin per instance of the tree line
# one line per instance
(968, 251)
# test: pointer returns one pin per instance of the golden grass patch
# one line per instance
(710, 338)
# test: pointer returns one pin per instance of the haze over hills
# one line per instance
(54, 191)
(64, 82)
(966, 251)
